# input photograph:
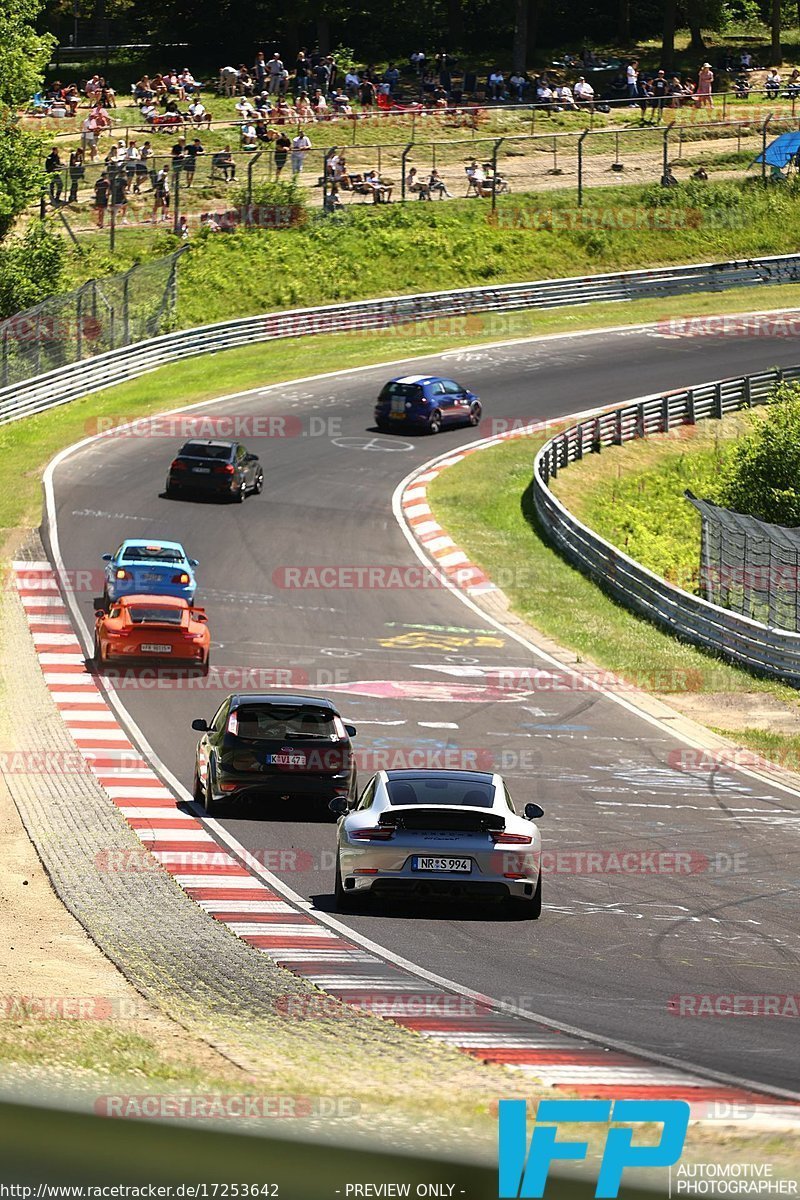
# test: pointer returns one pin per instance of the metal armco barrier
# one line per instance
(748, 643)
(116, 366)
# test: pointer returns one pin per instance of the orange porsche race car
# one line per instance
(152, 627)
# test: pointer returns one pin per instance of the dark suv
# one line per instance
(274, 745)
(215, 469)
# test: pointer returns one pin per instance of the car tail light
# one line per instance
(501, 838)
(178, 465)
(228, 787)
(377, 834)
(338, 725)
(181, 577)
(365, 871)
(224, 469)
(121, 573)
(233, 724)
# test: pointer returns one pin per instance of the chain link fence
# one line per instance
(538, 163)
(103, 314)
(749, 566)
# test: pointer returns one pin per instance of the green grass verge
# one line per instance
(485, 504)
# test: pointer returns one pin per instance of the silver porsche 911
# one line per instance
(437, 834)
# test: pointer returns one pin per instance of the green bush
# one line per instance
(762, 474)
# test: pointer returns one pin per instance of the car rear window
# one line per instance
(203, 450)
(403, 391)
(461, 792)
(152, 554)
(141, 615)
(269, 722)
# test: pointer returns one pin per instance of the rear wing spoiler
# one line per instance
(421, 816)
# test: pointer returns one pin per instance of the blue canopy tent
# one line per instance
(780, 153)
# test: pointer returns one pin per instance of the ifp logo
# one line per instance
(523, 1170)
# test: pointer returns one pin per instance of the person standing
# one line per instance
(704, 81)
(632, 80)
(660, 91)
(282, 148)
(300, 147)
(102, 190)
(53, 166)
(76, 174)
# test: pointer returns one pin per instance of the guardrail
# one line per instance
(128, 362)
(748, 643)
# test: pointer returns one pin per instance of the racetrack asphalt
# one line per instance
(611, 951)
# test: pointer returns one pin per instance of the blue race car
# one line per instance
(425, 402)
(151, 569)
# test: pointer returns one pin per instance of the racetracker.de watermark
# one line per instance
(732, 325)
(222, 1107)
(68, 1008)
(228, 427)
(730, 1004)
(620, 216)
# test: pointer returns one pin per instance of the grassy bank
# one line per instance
(386, 250)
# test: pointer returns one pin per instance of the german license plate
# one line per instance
(287, 760)
(156, 648)
(463, 865)
(151, 576)
(202, 470)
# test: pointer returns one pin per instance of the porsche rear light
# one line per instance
(233, 724)
(501, 838)
(377, 834)
(178, 465)
(224, 469)
(181, 577)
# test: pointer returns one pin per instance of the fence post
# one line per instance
(580, 166)
(718, 401)
(618, 428)
(665, 414)
(403, 160)
(690, 413)
(326, 158)
(497, 145)
(176, 184)
(767, 120)
(5, 354)
(112, 172)
(665, 171)
(79, 325)
(126, 329)
(250, 166)
(747, 399)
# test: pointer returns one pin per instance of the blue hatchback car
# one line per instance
(426, 402)
(149, 568)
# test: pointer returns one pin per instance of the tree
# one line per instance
(23, 57)
(31, 268)
(24, 53)
(668, 37)
(519, 50)
(762, 475)
(624, 22)
(775, 22)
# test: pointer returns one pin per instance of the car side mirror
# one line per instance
(339, 805)
(532, 811)
(99, 612)
(106, 558)
(350, 730)
(251, 457)
(200, 724)
(193, 562)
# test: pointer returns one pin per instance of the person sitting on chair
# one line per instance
(416, 185)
